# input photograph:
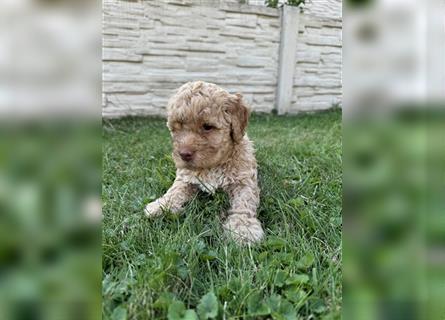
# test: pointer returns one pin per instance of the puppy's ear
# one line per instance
(239, 116)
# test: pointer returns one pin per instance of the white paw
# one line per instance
(153, 209)
(244, 229)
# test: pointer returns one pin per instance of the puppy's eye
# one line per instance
(208, 127)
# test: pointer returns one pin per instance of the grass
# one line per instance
(180, 267)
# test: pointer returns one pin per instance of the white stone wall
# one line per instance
(318, 70)
(152, 47)
(331, 9)
(317, 77)
(319, 8)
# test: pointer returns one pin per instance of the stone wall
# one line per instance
(317, 77)
(319, 8)
(150, 48)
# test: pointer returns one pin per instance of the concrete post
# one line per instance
(287, 57)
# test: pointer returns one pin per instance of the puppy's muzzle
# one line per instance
(186, 155)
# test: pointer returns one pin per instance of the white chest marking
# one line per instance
(208, 181)
(211, 180)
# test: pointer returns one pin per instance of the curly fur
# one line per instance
(209, 124)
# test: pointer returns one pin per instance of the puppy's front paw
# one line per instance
(153, 209)
(243, 228)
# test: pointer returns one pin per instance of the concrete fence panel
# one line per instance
(150, 48)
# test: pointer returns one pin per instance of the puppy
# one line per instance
(211, 151)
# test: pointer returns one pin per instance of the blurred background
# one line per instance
(50, 167)
(394, 156)
(50, 159)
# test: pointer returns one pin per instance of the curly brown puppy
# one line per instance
(211, 151)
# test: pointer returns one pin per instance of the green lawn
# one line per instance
(180, 267)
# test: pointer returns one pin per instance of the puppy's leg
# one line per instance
(242, 223)
(173, 200)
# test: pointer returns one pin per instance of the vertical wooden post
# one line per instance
(287, 57)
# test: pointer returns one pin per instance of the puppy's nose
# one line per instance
(186, 155)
